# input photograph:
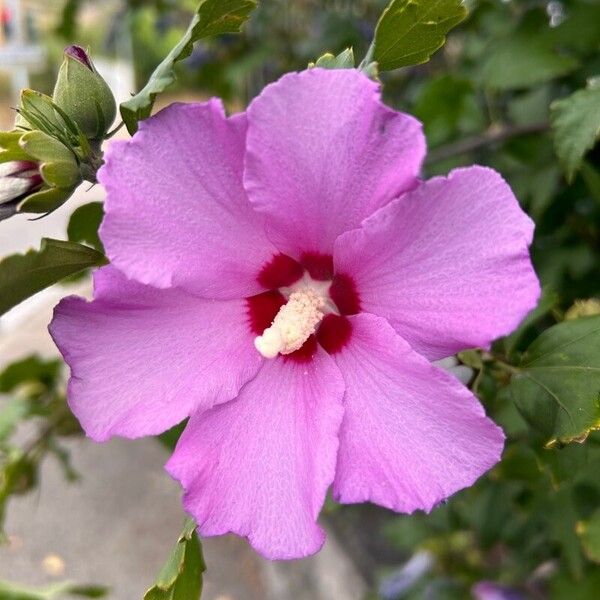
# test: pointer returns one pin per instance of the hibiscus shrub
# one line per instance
(379, 281)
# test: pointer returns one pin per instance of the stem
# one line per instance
(44, 434)
(491, 136)
(506, 367)
(114, 131)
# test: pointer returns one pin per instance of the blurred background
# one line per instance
(484, 98)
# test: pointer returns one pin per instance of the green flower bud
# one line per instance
(84, 96)
(37, 173)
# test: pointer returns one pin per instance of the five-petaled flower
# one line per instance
(283, 278)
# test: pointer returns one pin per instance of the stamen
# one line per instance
(295, 322)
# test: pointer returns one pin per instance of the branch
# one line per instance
(493, 135)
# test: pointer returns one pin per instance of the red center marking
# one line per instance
(343, 292)
(281, 271)
(262, 309)
(305, 353)
(334, 333)
(319, 266)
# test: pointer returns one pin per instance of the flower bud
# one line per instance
(84, 95)
(37, 173)
(18, 179)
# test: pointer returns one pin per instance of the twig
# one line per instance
(491, 136)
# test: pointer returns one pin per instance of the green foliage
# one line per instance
(522, 59)
(181, 577)
(22, 275)
(410, 31)
(557, 386)
(31, 389)
(213, 17)
(589, 532)
(461, 113)
(55, 591)
(576, 125)
(84, 224)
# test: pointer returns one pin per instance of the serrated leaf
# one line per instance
(576, 126)
(213, 17)
(589, 534)
(410, 31)
(23, 275)
(84, 224)
(181, 577)
(557, 386)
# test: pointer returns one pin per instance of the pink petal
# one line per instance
(323, 154)
(412, 435)
(260, 466)
(176, 210)
(144, 359)
(447, 264)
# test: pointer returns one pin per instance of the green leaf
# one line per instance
(213, 17)
(12, 412)
(591, 176)
(410, 31)
(563, 587)
(589, 534)
(181, 577)
(84, 224)
(29, 369)
(576, 125)
(344, 60)
(56, 591)
(525, 57)
(23, 275)
(557, 386)
(548, 300)
(447, 106)
(521, 62)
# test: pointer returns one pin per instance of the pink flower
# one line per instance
(305, 212)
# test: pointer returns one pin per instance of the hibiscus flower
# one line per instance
(283, 278)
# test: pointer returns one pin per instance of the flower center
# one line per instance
(298, 319)
(305, 305)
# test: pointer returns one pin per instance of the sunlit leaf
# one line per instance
(410, 31)
(213, 17)
(557, 386)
